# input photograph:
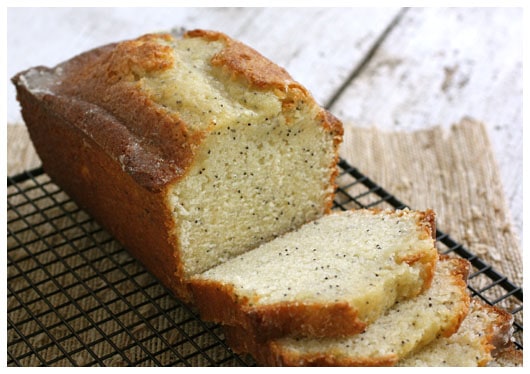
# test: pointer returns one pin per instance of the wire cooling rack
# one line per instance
(75, 297)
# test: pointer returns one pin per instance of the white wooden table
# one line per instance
(393, 68)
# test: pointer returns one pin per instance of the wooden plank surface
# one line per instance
(439, 65)
(393, 68)
(306, 41)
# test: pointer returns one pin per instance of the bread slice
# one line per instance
(483, 331)
(331, 277)
(188, 149)
(510, 356)
(405, 327)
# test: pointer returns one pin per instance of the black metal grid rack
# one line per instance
(76, 297)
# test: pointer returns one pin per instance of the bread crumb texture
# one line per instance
(358, 257)
(470, 346)
(266, 161)
(404, 328)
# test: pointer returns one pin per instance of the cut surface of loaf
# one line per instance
(485, 329)
(189, 150)
(405, 327)
(329, 278)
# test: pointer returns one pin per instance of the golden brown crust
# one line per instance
(497, 335)
(108, 78)
(99, 185)
(430, 218)
(219, 303)
(459, 276)
(426, 220)
(242, 61)
(133, 59)
(110, 148)
(334, 125)
(427, 262)
(89, 88)
(508, 357)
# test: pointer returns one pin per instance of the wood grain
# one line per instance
(439, 65)
(20, 152)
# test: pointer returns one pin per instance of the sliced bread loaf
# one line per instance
(405, 327)
(331, 277)
(188, 149)
(484, 330)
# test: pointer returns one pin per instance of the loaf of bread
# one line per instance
(215, 169)
(331, 277)
(404, 328)
(189, 150)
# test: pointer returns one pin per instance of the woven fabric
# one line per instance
(454, 172)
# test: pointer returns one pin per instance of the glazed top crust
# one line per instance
(101, 94)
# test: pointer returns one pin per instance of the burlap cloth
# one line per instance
(454, 172)
(451, 171)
